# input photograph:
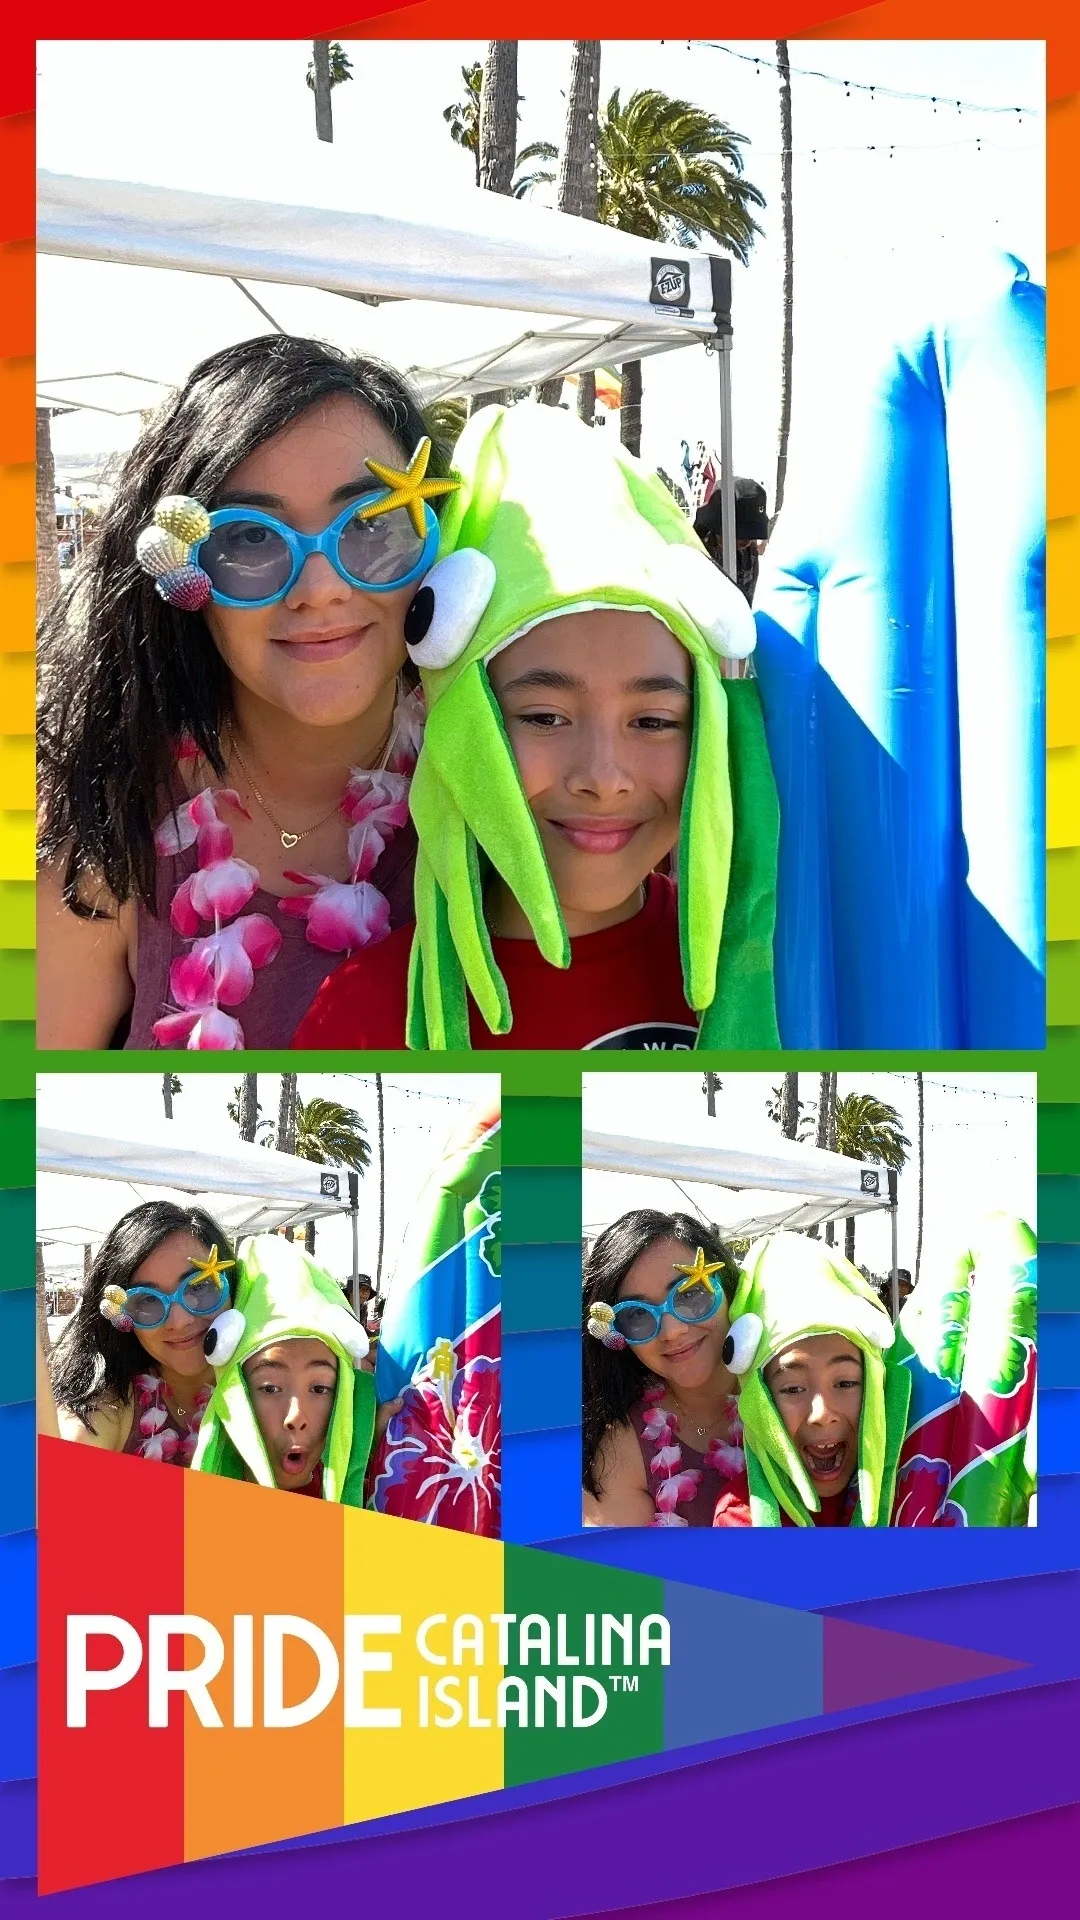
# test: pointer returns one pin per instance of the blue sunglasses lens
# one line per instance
(636, 1324)
(696, 1302)
(204, 1296)
(378, 552)
(246, 560)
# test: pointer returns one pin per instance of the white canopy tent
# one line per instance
(742, 1191)
(563, 295)
(87, 1181)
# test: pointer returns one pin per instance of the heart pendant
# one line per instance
(289, 839)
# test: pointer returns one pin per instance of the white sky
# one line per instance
(421, 1112)
(980, 1142)
(128, 110)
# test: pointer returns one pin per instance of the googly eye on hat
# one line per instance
(448, 607)
(223, 1336)
(742, 1343)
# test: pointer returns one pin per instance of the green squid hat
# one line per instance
(282, 1295)
(550, 518)
(791, 1289)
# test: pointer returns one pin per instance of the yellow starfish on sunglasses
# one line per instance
(700, 1270)
(409, 489)
(213, 1268)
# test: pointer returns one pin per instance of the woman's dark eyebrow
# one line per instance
(273, 503)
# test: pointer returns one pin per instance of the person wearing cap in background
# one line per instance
(751, 531)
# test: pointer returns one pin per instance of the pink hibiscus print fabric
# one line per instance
(441, 1457)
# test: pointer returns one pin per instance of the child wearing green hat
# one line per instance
(580, 737)
(292, 1406)
(823, 1397)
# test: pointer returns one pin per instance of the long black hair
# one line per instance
(613, 1381)
(124, 675)
(94, 1364)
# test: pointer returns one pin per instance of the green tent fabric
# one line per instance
(552, 518)
(793, 1288)
(281, 1294)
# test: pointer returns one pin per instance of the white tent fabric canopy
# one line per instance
(745, 1191)
(480, 250)
(86, 1182)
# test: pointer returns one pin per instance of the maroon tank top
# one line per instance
(697, 1511)
(284, 990)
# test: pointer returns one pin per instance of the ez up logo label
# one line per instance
(670, 284)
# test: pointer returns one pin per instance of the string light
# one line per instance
(860, 86)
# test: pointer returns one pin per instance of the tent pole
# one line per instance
(892, 1219)
(354, 1222)
(727, 471)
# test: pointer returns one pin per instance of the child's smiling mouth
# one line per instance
(590, 834)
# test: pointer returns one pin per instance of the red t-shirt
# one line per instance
(733, 1507)
(622, 989)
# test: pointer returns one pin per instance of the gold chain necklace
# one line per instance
(288, 840)
(683, 1415)
(182, 1411)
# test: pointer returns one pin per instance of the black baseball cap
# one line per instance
(751, 512)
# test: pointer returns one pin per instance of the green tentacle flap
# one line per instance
(705, 840)
(465, 743)
(743, 1012)
(363, 1432)
(438, 1017)
(452, 853)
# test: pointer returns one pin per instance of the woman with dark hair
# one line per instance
(660, 1426)
(129, 1374)
(225, 681)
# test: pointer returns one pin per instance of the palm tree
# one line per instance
(382, 1181)
(783, 67)
(329, 1135)
(671, 172)
(463, 116)
(285, 1135)
(868, 1129)
(170, 1085)
(247, 1116)
(824, 1130)
(778, 1105)
(498, 116)
(497, 148)
(921, 1092)
(577, 181)
(328, 67)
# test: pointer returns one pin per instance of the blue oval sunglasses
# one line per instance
(253, 560)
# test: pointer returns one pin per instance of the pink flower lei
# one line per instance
(218, 971)
(674, 1482)
(159, 1441)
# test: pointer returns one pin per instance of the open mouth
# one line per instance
(597, 836)
(826, 1463)
(294, 1461)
